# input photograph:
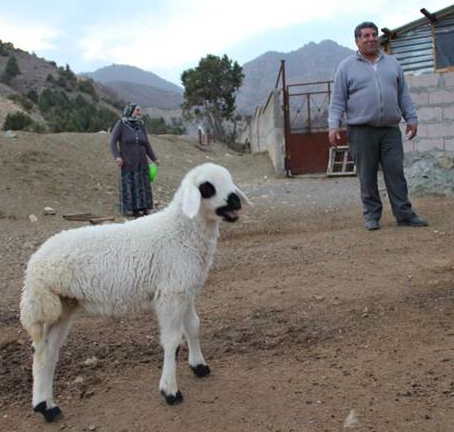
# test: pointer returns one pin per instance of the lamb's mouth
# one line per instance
(228, 214)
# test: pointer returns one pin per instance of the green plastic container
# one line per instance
(152, 171)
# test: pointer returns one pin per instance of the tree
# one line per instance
(210, 91)
(11, 70)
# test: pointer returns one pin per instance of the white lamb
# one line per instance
(159, 261)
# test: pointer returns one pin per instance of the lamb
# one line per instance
(159, 262)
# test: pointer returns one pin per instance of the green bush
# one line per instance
(61, 82)
(86, 86)
(67, 73)
(22, 101)
(158, 126)
(73, 115)
(17, 121)
(33, 95)
(37, 127)
(11, 70)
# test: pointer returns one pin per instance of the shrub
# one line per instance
(158, 126)
(61, 82)
(37, 127)
(11, 70)
(86, 86)
(73, 115)
(22, 101)
(67, 73)
(33, 95)
(17, 121)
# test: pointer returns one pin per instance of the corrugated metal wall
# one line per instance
(414, 49)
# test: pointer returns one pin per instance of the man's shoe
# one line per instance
(414, 221)
(372, 224)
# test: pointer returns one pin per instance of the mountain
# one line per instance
(312, 62)
(132, 74)
(134, 84)
(145, 95)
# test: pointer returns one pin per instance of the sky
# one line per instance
(169, 36)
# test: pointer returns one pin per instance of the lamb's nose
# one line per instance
(233, 201)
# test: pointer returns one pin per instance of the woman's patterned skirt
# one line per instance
(135, 191)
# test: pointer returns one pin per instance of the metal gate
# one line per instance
(306, 125)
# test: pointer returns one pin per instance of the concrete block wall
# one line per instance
(266, 131)
(433, 95)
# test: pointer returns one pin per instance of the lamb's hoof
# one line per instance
(173, 399)
(201, 370)
(50, 414)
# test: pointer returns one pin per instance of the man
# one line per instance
(370, 88)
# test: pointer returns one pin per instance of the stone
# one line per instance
(444, 161)
(92, 361)
(352, 420)
(49, 211)
(32, 218)
(10, 134)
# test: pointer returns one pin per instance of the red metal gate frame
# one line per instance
(313, 132)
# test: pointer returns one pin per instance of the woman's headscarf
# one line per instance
(129, 119)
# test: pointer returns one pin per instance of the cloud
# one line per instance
(29, 36)
(185, 31)
(180, 32)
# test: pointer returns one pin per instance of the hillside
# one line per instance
(54, 97)
(146, 96)
(312, 62)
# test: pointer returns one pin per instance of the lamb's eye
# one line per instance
(207, 190)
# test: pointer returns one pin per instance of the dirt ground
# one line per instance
(305, 317)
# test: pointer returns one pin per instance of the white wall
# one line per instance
(266, 131)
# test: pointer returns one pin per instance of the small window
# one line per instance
(444, 43)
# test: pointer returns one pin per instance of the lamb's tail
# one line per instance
(37, 308)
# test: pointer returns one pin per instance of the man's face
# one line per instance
(367, 42)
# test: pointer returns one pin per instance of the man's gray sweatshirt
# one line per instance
(370, 97)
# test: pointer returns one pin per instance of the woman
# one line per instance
(131, 156)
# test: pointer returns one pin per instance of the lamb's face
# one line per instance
(210, 191)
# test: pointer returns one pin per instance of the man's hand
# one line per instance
(119, 161)
(411, 130)
(334, 136)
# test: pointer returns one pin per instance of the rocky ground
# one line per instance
(309, 322)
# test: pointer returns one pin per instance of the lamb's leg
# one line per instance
(45, 359)
(170, 315)
(191, 330)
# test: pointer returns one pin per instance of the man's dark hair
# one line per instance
(363, 25)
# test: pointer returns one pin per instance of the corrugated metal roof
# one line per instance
(422, 21)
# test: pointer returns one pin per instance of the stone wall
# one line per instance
(433, 95)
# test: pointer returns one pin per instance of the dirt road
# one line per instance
(305, 316)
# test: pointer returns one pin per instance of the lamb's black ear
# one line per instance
(207, 190)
